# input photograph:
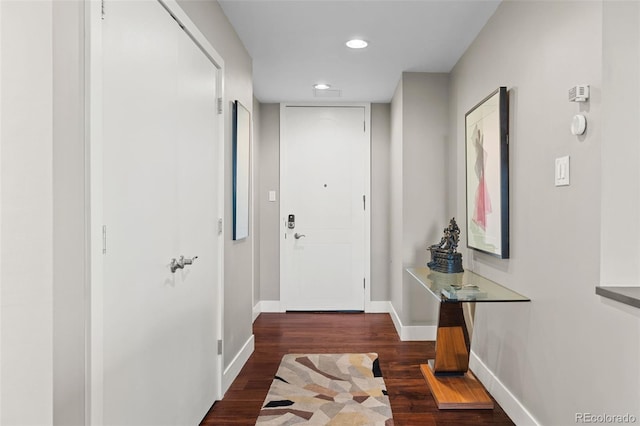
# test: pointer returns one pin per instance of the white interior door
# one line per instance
(324, 181)
(161, 192)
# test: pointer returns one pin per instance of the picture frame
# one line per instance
(241, 170)
(487, 174)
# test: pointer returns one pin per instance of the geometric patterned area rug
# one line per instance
(327, 389)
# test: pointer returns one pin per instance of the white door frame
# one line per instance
(94, 184)
(367, 213)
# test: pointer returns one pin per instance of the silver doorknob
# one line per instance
(298, 236)
(180, 263)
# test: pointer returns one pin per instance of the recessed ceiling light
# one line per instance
(321, 86)
(357, 44)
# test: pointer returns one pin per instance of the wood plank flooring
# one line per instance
(279, 334)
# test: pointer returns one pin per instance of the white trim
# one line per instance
(271, 306)
(366, 190)
(256, 311)
(509, 403)
(378, 307)
(412, 332)
(283, 213)
(93, 132)
(241, 358)
(274, 306)
(252, 209)
(1, 287)
(192, 30)
(367, 212)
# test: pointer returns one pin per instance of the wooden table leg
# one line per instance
(452, 341)
(450, 382)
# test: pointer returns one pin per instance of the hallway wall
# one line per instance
(380, 203)
(568, 351)
(419, 123)
(620, 148)
(70, 225)
(26, 213)
(269, 140)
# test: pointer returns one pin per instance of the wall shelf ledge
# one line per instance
(627, 295)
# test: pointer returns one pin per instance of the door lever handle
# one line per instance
(298, 236)
(180, 263)
(188, 261)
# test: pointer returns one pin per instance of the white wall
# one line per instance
(568, 350)
(380, 205)
(255, 200)
(419, 123)
(269, 139)
(620, 151)
(26, 213)
(238, 285)
(396, 197)
(424, 141)
(70, 296)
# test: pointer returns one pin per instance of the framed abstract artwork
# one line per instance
(487, 169)
(241, 169)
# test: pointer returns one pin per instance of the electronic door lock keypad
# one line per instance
(291, 221)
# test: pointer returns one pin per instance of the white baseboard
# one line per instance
(375, 307)
(241, 358)
(256, 312)
(412, 332)
(266, 306)
(509, 403)
(378, 307)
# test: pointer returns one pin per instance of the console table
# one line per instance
(452, 384)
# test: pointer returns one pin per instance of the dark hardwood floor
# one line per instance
(279, 334)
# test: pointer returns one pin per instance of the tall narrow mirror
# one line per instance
(241, 167)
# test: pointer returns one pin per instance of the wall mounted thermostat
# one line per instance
(579, 93)
(578, 124)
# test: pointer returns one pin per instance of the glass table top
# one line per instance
(464, 287)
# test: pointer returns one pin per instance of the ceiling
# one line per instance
(297, 43)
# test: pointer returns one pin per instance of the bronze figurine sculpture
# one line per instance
(444, 257)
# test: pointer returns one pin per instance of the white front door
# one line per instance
(161, 185)
(324, 182)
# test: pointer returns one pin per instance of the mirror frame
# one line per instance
(241, 170)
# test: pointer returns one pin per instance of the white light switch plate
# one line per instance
(272, 195)
(562, 172)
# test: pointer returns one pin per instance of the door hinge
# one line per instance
(219, 347)
(220, 226)
(104, 239)
(219, 105)
(364, 202)
(102, 10)
(364, 283)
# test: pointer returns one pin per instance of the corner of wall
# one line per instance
(236, 364)
(507, 400)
